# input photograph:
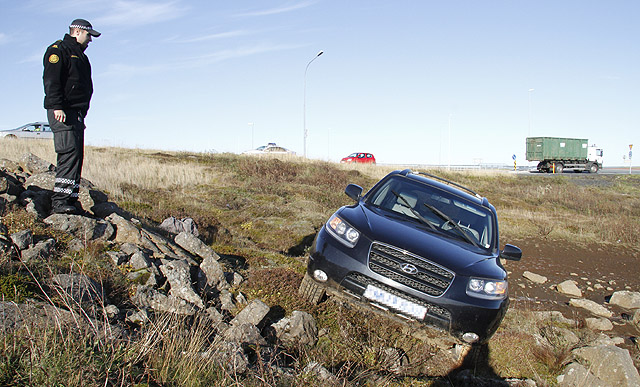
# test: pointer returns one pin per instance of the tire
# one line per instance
(310, 290)
(593, 168)
(559, 167)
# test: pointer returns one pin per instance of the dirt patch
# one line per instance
(598, 271)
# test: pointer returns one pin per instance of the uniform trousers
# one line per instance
(68, 140)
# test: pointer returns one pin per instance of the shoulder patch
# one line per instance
(54, 58)
(54, 46)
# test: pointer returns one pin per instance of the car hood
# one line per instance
(381, 226)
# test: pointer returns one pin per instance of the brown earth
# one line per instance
(613, 267)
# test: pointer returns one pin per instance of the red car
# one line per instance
(366, 158)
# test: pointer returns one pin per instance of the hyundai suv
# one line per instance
(419, 246)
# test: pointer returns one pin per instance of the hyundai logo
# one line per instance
(409, 268)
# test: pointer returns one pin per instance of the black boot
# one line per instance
(64, 208)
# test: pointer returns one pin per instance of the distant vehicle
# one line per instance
(365, 158)
(32, 130)
(271, 148)
(555, 154)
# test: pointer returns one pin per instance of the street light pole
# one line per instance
(304, 105)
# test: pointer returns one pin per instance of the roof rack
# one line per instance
(448, 182)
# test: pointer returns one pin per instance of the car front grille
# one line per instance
(438, 313)
(419, 273)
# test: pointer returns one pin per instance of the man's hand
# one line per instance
(60, 115)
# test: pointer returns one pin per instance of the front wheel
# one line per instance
(559, 167)
(310, 290)
(593, 168)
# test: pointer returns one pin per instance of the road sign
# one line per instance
(630, 146)
(513, 157)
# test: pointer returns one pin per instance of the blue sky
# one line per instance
(414, 82)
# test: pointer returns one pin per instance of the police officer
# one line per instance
(68, 89)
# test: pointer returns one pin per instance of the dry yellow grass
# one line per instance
(110, 168)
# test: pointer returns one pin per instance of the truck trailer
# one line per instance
(555, 154)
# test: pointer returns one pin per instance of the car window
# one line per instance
(353, 155)
(361, 155)
(475, 220)
(369, 155)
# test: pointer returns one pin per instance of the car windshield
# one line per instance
(445, 212)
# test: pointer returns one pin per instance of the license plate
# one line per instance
(391, 300)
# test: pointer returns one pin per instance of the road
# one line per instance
(603, 171)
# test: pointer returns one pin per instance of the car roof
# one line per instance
(29, 124)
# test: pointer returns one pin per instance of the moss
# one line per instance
(16, 287)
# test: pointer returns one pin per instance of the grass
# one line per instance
(260, 215)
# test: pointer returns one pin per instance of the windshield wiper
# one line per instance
(453, 223)
(413, 210)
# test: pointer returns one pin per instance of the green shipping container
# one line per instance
(556, 148)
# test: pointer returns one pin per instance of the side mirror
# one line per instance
(353, 191)
(511, 252)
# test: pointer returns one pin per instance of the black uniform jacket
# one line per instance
(67, 76)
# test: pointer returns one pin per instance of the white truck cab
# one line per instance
(594, 154)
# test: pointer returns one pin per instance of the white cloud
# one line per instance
(34, 58)
(128, 70)
(282, 9)
(137, 13)
(220, 35)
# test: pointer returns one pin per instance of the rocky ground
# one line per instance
(176, 272)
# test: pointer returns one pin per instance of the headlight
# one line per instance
(489, 289)
(342, 231)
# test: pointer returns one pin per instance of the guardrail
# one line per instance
(462, 167)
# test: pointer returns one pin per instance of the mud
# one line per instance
(612, 267)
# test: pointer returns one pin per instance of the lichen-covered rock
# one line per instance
(42, 250)
(178, 274)
(22, 239)
(195, 246)
(81, 227)
(611, 364)
(299, 329)
(34, 164)
(253, 313)
(79, 289)
(147, 297)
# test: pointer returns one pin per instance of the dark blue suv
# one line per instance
(419, 246)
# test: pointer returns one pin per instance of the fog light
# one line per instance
(470, 337)
(320, 275)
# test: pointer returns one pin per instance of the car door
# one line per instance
(46, 132)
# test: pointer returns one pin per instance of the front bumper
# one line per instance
(349, 270)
